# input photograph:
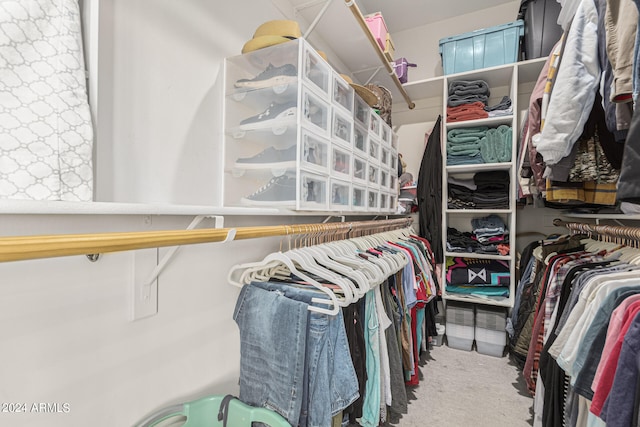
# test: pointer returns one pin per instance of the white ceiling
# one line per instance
(401, 15)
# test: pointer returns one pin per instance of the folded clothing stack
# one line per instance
(481, 277)
(495, 147)
(489, 236)
(491, 192)
(502, 108)
(491, 233)
(467, 100)
(479, 144)
(464, 145)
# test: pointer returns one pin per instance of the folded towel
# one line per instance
(502, 105)
(463, 87)
(501, 113)
(464, 134)
(456, 100)
(465, 160)
(496, 145)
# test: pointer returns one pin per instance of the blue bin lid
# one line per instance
(519, 23)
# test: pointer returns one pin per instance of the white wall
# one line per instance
(420, 45)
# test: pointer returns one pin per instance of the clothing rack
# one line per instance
(49, 246)
(629, 236)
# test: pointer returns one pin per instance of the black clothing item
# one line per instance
(399, 403)
(355, 336)
(429, 191)
(629, 181)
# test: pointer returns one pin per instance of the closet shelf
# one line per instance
(491, 122)
(505, 302)
(30, 207)
(478, 168)
(477, 212)
(477, 255)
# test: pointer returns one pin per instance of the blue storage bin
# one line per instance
(481, 48)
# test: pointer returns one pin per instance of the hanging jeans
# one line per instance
(328, 382)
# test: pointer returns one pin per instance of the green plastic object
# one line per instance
(204, 413)
(483, 48)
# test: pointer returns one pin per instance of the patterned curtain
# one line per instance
(46, 137)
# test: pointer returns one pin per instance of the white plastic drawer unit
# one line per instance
(374, 152)
(340, 163)
(340, 195)
(361, 111)
(316, 72)
(384, 201)
(375, 123)
(384, 178)
(360, 140)
(393, 182)
(372, 199)
(393, 161)
(342, 129)
(343, 94)
(359, 198)
(315, 151)
(313, 192)
(393, 202)
(385, 133)
(315, 112)
(385, 157)
(373, 175)
(359, 170)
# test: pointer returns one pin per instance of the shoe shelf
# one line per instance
(297, 136)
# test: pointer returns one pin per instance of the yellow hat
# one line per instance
(367, 94)
(272, 33)
(282, 27)
(323, 55)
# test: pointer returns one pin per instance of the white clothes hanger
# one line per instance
(320, 253)
(240, 275)
(309, 264)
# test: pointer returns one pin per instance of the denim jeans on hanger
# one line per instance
(272, 350)
(328, 369)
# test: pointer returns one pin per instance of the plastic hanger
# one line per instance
(319, 252)
(310, 265)
(288, 262)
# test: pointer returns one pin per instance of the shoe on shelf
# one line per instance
(280, 190)
(271, 115)
(270, 157)
(271, 76)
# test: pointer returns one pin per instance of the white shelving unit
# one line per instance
(502, 80)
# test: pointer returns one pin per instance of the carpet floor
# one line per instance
(465, 388)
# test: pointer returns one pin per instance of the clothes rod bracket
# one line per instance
(145, 294)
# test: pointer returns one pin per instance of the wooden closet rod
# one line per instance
(351, 4)
(630, 233)
(49, 246)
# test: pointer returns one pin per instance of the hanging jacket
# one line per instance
(629, 182)
(575, 87)
(429, 190)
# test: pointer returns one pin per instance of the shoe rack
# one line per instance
(297, 136)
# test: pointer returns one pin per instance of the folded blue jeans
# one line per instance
(332, 381)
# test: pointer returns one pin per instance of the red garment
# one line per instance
(415, 378)
(606, 380)
(471, 111)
